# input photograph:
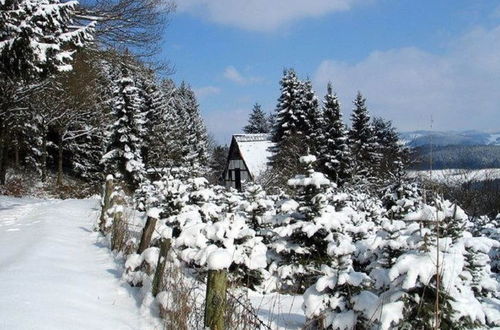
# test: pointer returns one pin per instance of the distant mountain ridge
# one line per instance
(447, 138)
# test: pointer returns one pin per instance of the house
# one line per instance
(247, 160)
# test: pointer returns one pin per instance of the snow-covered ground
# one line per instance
(54, 274)
(279, 311)
(457, 176)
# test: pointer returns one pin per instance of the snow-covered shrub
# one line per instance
(330, 301)
(302, 229)
(259, 209)
(230, 233)
(396, 255)
(401, 198)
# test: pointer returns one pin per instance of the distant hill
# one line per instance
(447, 138)
(456, 156)
(453, 149)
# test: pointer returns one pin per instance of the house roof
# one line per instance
(254, 150)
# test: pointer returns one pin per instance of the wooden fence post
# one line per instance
(118, 228)
(160, 266)
(215, 303)
(147, 233)
(106, 203)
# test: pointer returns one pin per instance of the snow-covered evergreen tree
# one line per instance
(288, 112)
(258, 121)
(217, 164)
(335, 154)
(196, 154)
(124, 152)
(36, 36)
(301, 235)
(393, 155)
(166, 128)
(363, 142)
(313, 119)
(288, 129)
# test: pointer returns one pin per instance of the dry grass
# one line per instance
(180, 305)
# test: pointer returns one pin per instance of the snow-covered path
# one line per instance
(53, 274)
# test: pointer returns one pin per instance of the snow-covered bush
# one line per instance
(302, 229)
(388, 274)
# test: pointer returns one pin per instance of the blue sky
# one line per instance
(411, 59)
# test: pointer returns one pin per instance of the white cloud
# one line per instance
(234, 75)
(262, 15)
(206, 91)
(459, 88)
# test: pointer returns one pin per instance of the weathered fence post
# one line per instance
(147, 233)
(106, 203)
(215, 303)
(160, 266)
(118, 228)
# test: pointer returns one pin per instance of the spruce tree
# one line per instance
(363, 142)
(258, 122)
(313, 118)
(288, 111)
(124, 152)
(393, 155)
(287, 133)
(36, 36)
(166, 128)
(217, 164)
(335, 155)
(196, 153)
(301, 242)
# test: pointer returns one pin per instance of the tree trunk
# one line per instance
(160, 266)
(147, 233)
(44, 156)
(3, 156)
(215, 303)
(16, 153)
(60, 161)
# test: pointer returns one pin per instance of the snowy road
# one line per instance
(53, 274)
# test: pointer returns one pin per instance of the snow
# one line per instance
(279, 311)
(154, 213)
(219, 259)
(55, 273)
(255, 151)
(316, 179)
(307, 159)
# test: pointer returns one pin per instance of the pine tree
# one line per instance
(313, 118)
(335, 155)
(393, 155)
(35, 37)
(124, 152)
(166, 128)
(300, 242)
(288, 112)
(217, 164)
(196, 155)
(151, 101)
(257, 123)
(288, 130)
(363, 142)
